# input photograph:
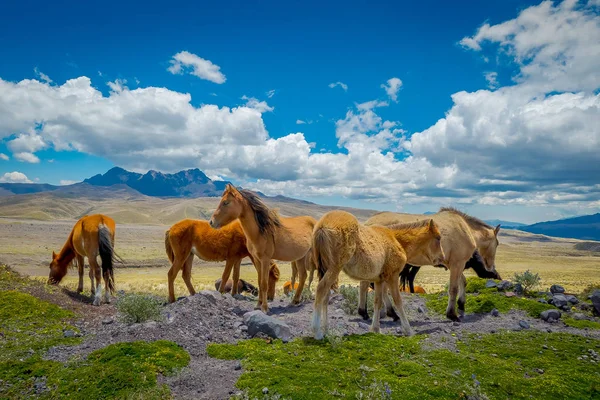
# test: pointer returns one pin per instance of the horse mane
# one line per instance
(266, 219)
(409, 225)
(467, 217)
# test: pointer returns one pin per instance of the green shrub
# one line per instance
(350, 304)
(475, 284)
(528, 280)
(586, 292)
(135, 308)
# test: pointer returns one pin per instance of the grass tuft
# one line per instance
(136, 308)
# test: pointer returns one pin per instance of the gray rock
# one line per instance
(362, 325)
(572, 299)
(69, 333)
(559, 300)
(265, 390)
(238, 366)
(504, 285)
(421, 309)
(580, 316)
(495, 313)
(107, 321)
(543, 301)
(555, 289)
(211, 295)
(549, 315)
(257, 322)
(490, 284)
(596, 301)
(150, 325)
(239, 311)
(524, 324)
(518, 289)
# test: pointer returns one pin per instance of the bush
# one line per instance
(350, 304)
(528, 280)
(585, 293)
(475, 284)
(135, 308)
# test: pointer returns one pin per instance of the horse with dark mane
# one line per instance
(92, 236)
(243, 286)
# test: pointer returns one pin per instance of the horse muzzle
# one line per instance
(213, 224)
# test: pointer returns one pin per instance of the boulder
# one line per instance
(524, 324)
(559, 300)
(211, 295)
(549, 315)
(518, 289)
(572, 299)
(556, 289)
(504, 285)
(257, 321)
(596, 301)
(495, 313)
(490, 284)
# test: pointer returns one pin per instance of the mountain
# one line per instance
(505, 224)
(25, 188)
(189, 183)
(586, 227)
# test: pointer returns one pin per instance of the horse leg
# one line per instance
(456, 271)
(98, 275)
(236, 277)
(362, 300)
(263, 284)
(389, 306)
(399, 307)
(301, 266)
(91, 274)
(294, 273)
(311, 276)
(411, 278)
(225, 277)
(80, 270)
(377, 307)
(187, 274)
(171, 275)
(462, 295)
(322, 294)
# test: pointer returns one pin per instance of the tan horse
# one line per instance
(268, 236)
(191, 237)
(368, 253)
(462, 234)
(92, 236)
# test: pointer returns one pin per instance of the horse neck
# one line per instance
(248, 222)
(408, 238)
(67, 253)
(480, 235)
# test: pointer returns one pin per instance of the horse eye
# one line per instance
(225, 203)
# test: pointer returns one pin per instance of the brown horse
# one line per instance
(92, 236)
(191, 237)
(371, 254)
(462, 234)
(242, 286)
(268, 236)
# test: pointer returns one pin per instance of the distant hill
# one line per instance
(586, 227)
(505, 224)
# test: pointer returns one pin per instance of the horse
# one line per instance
(242, 286)
(268, 235)
(190, 237)
(288, 286)
(370, 254)
(407, 276)
(462, 234)
(91, 236)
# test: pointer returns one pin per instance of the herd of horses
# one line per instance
(385, 251)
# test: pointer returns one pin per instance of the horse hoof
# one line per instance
(453, 317)
(363, 313)
(319, 336)
(96, 302)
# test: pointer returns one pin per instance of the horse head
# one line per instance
(487, 246)
(230, 207)
(428, 242)
(57, 271)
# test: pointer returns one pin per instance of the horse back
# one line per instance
(84, 236)
(207, 243)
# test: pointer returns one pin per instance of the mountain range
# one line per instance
(193, 183)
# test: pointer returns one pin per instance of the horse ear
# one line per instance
(496, 230)
(431, 225)
(53, 255)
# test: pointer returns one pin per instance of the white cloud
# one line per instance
(26, 157)
(24, 145)
(65, 182)
(197, 66)
(14, 177)
(392, 88)
(340, 84)
(4, 157)
(260, 106)
(369, 105)
(300, 122)
(118, 85)
(270, 93)
(42, 75)
(492, 79)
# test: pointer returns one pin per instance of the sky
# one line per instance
(492, 107)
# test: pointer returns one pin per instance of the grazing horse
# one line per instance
(242, 286)
(191, 237)
(92, 236)
(289, 286)
(407, 276)
(462, 234)
(268, 235)
(370, 254)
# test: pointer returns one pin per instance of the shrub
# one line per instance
(585, 293)
(475, 284)
(528, 280)
(135, 308)
(350, 304)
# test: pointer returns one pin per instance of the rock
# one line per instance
(509, 294)
(211, 295)
(504, 285)
(362, 325)
(490, 284)
(495, 313)
(524, 324)
(257, 322)
(596, 301)
(421, 309)
(555, 289)
(107, 321)
(580, 316)
(69, 333)
(238, 366)
(559, 300)
(539, 371)
(265, 390)
(518, 289)
(543, 301)
(238, 296)
(572, 299)
(239, 311)
(549, 315)
(150, 325)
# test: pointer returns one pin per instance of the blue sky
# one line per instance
(286, 55)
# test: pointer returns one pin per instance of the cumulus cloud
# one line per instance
(4, 157)
(14, 177)
(185, 61)
(340, 84)
(42, 75)
(24, 145)
(260, 106)
(492, 79)
(64, 182)
(392, 88)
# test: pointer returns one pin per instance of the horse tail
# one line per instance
(274, 272)
(404, 276)
(168, 247)
(321, 247)
(107, 255)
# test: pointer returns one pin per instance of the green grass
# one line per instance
(581, 323)
(487, 301)
(506, 364)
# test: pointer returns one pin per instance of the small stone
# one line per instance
(524, 324)
(550, 314)
(572, 299)
(490, 284)
(107, 321)
(421, 309)
(265, 390)
(494, 355)
(543, 301)
(238, 366)
(69, 333)
(556, 289)
(504, 285)
(510, 294)
(559, 300)
(363, 325)
(495, 313)
(518, 289)
(545, 347)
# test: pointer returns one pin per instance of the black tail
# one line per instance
(108, 257)
(407, 276)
